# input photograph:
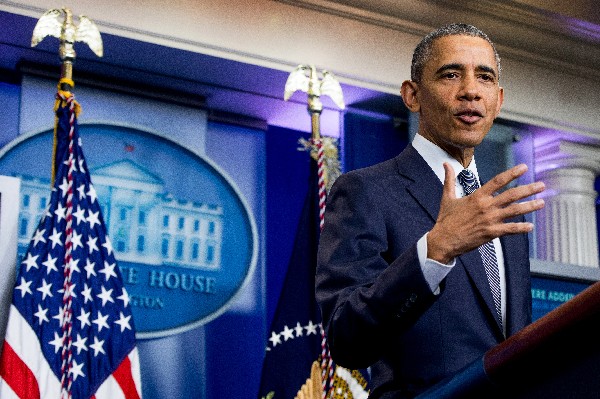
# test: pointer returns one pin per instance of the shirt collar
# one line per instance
(435, 158)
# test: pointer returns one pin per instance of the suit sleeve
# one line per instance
(366, 299)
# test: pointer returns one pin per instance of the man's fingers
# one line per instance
(449, 181)
(518, 193)
(522, 208)
(516, 228)
(502, 179)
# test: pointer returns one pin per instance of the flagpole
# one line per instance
(68, 33)
(51, 284)
(315, 88)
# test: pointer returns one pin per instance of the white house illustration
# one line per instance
(145, 223)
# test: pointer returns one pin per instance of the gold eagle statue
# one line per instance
(305, 78)
(52, 24)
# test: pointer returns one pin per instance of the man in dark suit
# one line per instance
(420, 272)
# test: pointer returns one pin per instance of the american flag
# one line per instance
(70, 331)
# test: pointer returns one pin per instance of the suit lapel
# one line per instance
(427, 189)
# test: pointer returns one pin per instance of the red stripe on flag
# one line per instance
(17, 375)
(124, 378)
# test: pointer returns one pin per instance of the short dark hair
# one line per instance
(424, 48)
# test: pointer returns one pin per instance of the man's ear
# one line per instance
(408, 91)
(500, 100)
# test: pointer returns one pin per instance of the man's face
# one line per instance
(458, 97)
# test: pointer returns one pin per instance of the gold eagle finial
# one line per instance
(64, 29)
(306, 79)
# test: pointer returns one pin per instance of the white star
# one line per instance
(123, 322)
(80, 344)
(76, 240)
(92, 193)
(299, 330)
(31, 261)
(97, 346)
(68, 160)
(311, 328)
(79, 215)
(89, 268)
(45, 289)
(109, 270)
(70, 290)
(93, 218)
(275, 339)
(64, 187)
(60, 316)
(55, 238)
(81, 167)
(124, 297)
(87, 293)
(57, 342)
(287, 333)
(50, 264)
(108, 246)
(72, 166)
(74, 265)
(84, 319)
(81, 190)
(60, 212)
(101, 321)
(76, 370)
(24, 287)
(91, 243)
(41, 314)
(106, 296)
(39, 236)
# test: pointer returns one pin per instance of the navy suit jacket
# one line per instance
(378, 310)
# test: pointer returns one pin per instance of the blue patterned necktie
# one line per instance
(488, 254)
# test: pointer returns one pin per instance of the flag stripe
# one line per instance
(24, 342)
(136, 374)
(17, 375)
(110, 389)
(6, 391)
(125, 380)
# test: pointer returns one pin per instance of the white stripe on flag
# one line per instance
(134, 358)
(110, 389)
(5, 391)
(21, 337)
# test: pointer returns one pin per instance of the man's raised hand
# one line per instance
(464, 224)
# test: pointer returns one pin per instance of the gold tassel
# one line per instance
(57, 104)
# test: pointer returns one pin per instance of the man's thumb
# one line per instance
(449, 181)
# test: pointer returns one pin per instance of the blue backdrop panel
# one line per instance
(198, 360)
(548, 293)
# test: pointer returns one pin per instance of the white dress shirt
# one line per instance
(435, 271)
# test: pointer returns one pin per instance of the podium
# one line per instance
(558, 356)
